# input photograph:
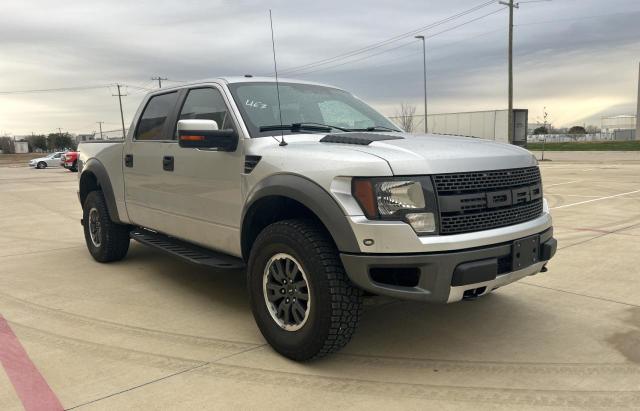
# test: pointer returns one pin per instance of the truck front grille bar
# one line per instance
(484, 200)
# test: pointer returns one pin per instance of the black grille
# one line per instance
(485, 180)
(484, 200)
(486, 220)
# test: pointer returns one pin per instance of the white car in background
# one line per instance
(52, 159)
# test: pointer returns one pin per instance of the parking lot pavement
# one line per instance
(155, 332)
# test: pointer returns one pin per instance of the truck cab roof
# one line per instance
(243, 79)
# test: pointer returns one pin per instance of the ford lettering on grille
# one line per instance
(484, 200)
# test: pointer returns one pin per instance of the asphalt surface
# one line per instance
(154, 332)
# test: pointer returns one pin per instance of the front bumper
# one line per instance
(443, 277)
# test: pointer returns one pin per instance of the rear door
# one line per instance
(204, 187)
(143, 162)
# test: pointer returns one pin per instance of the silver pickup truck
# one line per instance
(318, 198)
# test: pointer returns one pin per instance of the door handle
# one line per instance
(167, 163)
(128, 160)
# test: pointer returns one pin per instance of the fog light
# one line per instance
(422, 222)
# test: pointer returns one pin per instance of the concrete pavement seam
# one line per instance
(599, 236)
(578, 294)
(164, 378)
(137, 386)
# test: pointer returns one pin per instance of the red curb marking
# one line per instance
(31, 387)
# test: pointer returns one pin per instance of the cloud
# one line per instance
(564, 57)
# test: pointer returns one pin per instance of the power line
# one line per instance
(137, 87)
(387, 41)
(305, 72)
(76, 88)
(416, 52)
(72, 88)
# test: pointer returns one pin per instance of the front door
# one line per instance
(204, 188)
(143, 163)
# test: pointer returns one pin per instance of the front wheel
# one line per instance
(41, 164)
(106, 240)
(74, 167)
(301, 297)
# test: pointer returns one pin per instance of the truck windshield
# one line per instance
(303, 104)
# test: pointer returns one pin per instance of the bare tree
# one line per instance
(405, 116)
(593, 130)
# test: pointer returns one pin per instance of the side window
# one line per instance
(154, 117)
(206, 104)
(340, 114)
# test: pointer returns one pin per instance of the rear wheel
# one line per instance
(301, 297)
(106, 240)
(41, 164)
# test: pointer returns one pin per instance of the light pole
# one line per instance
(511, 6)
(424, 70)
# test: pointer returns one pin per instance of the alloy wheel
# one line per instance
(286, 292)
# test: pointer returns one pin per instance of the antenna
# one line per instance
(275, 68)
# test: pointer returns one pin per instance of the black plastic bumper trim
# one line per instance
(475, 272)
(436, 269)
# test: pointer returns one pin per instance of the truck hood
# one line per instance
(434, 154)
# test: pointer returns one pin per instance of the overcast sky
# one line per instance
(579, 58)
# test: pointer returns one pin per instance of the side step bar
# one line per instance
(192, 253)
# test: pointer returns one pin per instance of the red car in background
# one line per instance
(69, 160)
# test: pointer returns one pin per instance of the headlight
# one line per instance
(394, 196)
(406, 199)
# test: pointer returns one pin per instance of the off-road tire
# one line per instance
(336, 303)
(114, 238)
(41, 165)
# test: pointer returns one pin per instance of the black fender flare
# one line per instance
(98, 169)
(312, 196)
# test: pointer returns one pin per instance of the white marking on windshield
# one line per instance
(255, 104)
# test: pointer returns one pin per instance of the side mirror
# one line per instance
(205, 134)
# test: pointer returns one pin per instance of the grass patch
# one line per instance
(6, 159)
(633, 145)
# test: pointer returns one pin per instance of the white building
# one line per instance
(489, 125)
(619, 127)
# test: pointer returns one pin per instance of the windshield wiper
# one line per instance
(297, 127)
(375, 128)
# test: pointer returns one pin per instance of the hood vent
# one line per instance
(250, 162)
(362, 139)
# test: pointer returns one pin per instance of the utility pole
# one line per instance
(638, 110)
(120, 95)
(424, 72)
(511, 6)
(159, 80)
(100, 124)
(60, 134)
(546, 131)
